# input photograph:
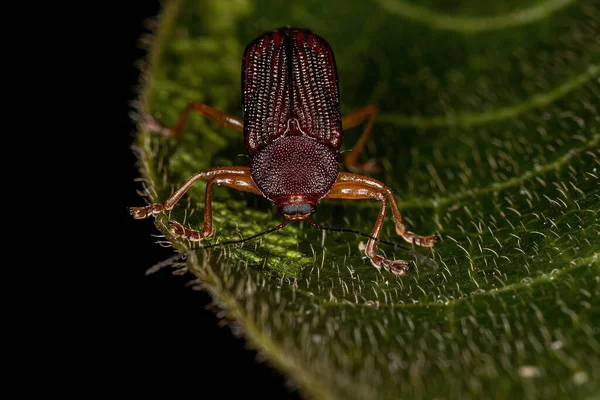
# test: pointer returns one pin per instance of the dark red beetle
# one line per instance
(293, 130)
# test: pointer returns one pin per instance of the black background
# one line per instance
(168, 334)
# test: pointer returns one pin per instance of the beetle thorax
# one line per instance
(293, 166)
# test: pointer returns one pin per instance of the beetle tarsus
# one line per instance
(423, 241)
(145, 212)
(179, 230)
(176, 229)
(398, 267)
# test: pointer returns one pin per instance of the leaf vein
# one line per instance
(593, 259)
(499, 186)
(470, 25)
(471, 119)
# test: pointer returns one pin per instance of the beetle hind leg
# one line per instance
(367, 113)
(219, 117)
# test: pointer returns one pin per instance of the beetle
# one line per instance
(293, 132)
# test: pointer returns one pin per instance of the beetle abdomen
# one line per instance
(295, 165)
(290, 74)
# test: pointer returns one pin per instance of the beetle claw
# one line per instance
(145, 212)
(398, 267)
(176, 229)
(138, 212)
(429, 241)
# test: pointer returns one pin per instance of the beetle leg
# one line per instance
(235, 177)
(358, 187)
(210, 113)
(350, 121)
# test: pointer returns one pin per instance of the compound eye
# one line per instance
(289, 209)
(306, 209)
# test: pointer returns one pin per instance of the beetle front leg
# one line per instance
(375, 185)
(235, 177)
(358, 187)
(243, 183)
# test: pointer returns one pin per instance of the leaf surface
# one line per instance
(488, 133)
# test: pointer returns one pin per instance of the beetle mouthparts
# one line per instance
(297, 211)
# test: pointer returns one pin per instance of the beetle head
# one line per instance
(296, 207)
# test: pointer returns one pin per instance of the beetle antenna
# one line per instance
(278, 227)
(312, 223)
(172, 260)
(423, 259)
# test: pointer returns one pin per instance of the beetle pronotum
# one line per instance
(293, 130)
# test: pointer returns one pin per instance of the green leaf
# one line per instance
(489, 135)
